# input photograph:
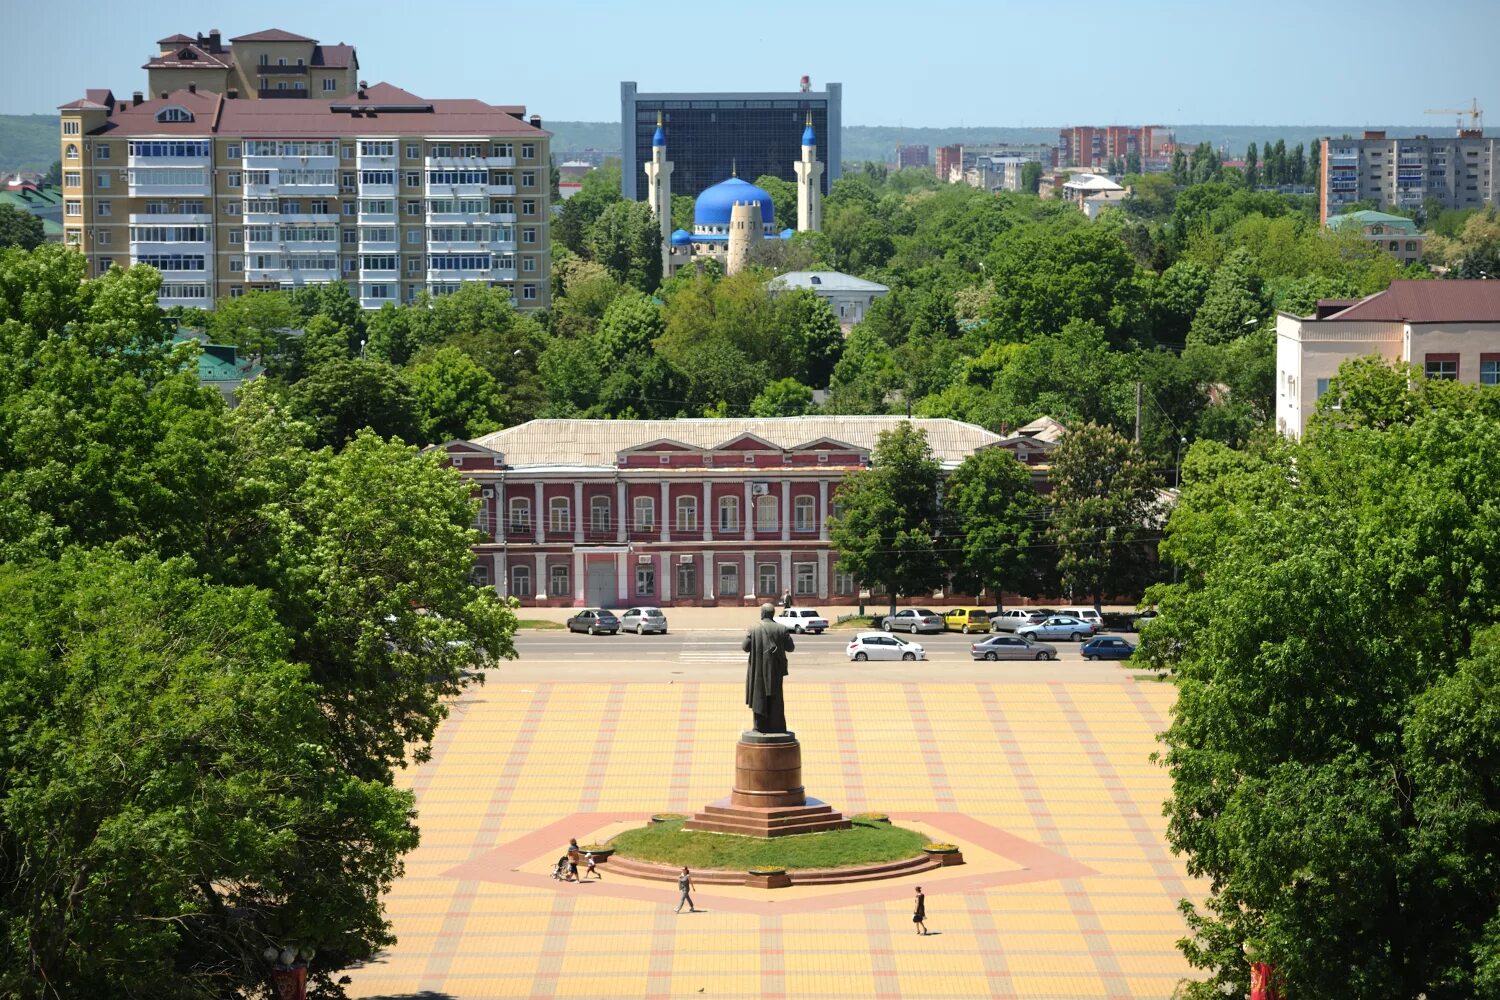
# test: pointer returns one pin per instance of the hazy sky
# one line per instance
(902, 62)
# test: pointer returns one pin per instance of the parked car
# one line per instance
(593, 621)
(643, 620)
(967, 620)
(1012, 647)
(1089, 615)
(1146, 618)
(912, 620)
(1059, 627)
(1107, 647)
(879, 646)
(1009, 621)
(801, 620)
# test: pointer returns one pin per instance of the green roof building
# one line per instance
(46, 203)
(1395, 234)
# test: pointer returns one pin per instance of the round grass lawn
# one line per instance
(864, 843)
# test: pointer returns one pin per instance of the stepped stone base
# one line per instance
(801, 876)
(768, 799)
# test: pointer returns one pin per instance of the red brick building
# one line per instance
(1092, 147)
(948, 158)
(695, 512)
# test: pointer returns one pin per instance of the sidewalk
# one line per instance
(733, 619)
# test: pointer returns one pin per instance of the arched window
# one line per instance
(599, 515)
(729, 513)
(765, 514)
(520, 514)
(479, 576)
(71, 151)
(804, 514)
(174, 114)
(645, 513)
(687, 514)
(557, 515)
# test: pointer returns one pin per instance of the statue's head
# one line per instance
(767, 610)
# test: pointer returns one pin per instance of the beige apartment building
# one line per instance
(264, 64)
(1448, 329)
(1461, 171)
(392, 193)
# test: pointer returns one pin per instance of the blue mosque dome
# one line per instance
(808, 139)
(659, 137)
(713, 206)
(681, 238)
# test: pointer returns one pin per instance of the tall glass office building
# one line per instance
(708, 135)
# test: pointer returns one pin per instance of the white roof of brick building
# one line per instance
(597, 443)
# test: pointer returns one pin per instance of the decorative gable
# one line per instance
(468, 455)
(747, 442)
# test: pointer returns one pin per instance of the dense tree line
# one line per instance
(222, 631)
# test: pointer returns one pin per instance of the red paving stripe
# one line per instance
(1154, 718)
(592, 781)
(678, 788)
(1106, 965)
(772, 959)
(882, 954)
(438, 962)
(447, 732)
(549, 961)
(932, 758)
(991, 949)
(659, 970)
(1161, 862)
(849, 766)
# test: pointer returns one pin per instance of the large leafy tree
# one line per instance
(19, 228)
(888, 529)
(991, 510)
(627, 240)
(172, 801)
(453, 397)
(1332, 747)
(1104, 505)
(1047, 276)
(341, 397)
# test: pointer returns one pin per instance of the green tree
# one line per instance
(1331, 749)
(811, 337)
(19, 228)
(887, 534)
(626, 240)
(1031, 176)
(172, 800)
(1104, 503)
(990, 512)
(783, 197)
(630, 328)
(598, 190)
(53, 176)
(1234, 304)
(262, 324)
(453, 397)
(340, 398)
(1252, 169)
(783, 398)
(1046, 276)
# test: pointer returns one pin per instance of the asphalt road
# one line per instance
(716, 656)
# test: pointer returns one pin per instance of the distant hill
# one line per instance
(28, 142)
(878, 142)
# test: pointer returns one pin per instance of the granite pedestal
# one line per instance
(768, 799)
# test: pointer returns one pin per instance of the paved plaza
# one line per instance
(1042, 777)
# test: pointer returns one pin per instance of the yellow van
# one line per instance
(967, 620)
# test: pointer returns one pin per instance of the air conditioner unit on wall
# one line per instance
(488, 493)
(643, 560)
(684, 559)
(760, 489)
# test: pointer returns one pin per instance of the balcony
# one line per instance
(193, 302)
(171, 219)
(322, 218)
(279, 162)
(265, 69)
(376, 218)
(376, 162)
(456, 246)
(469, 162)
(456, 218)
(137, 162)
(503, 189)
(377, 190)
(378, 246)
(502, 216)
(172, 190)
(502, 274)
(376, 301)
(271, 94)
(431, 190)
(203, 246)
(472, 274)
(290, 277)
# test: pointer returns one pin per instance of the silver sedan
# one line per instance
(1012, 647)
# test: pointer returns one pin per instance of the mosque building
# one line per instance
(732, 216)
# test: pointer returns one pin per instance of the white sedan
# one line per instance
(880, 646)
(801, 620)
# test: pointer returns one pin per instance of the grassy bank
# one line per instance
(865, 843)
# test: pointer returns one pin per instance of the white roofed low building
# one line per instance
(848, 296)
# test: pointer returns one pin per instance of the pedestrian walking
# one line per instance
(786, 600)
(572, 868)
(588, 856)
(685, 886)
(920, 917)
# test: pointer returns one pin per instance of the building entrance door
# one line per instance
(599, 588)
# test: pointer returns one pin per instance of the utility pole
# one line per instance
(1138, 413)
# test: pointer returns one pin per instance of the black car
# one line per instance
(1107, 647)
(593, 621)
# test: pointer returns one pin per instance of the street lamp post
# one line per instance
(1177, 475)
(289, 970)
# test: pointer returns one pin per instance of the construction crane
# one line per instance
(1476, 117)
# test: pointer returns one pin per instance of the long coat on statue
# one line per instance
(767, 642)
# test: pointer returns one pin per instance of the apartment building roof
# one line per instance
(1408, 301)
(272, 35)
(826, 281)
(1367, 218)
(190, 56)
(597, 443)
(379, 110)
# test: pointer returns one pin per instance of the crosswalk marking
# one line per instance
(710, 652)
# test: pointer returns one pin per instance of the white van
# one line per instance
(1084, 614)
